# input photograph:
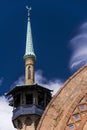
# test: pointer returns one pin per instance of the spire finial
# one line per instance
(28, 9)
(29, 52)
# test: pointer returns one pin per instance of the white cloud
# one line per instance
(50, 84)
(79, 48)
(5, 115)
(19, 81)
(40, 79)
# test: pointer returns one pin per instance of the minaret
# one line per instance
(29, 54)
(28, 100)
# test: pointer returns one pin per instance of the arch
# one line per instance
(28, 121)
(29, 72)
(61, 107)
(19, 124)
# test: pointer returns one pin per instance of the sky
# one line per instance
(57, 26)
(59, 30)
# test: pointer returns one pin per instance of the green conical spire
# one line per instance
(29, 52)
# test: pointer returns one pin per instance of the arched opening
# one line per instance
(29, 72)
(29, 98)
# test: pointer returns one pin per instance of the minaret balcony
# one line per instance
(27, 109)
(28, 100)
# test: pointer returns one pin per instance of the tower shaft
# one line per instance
(29, 71)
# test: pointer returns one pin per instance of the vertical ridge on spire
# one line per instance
(29, 52)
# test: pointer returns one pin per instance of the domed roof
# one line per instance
(67, 105)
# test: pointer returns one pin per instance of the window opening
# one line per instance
(76, 116)
(71, 127)
(29, 98)
(17, 100)
(82, 107)
(29, 72)
(41, 99)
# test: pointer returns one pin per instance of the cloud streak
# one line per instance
(79, 48)
(50, 84)
(40, 79)
(19, 81)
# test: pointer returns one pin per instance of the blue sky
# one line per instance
(55, 25)
(59, 30)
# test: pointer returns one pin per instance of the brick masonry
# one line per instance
(61, 108)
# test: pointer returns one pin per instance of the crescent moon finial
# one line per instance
(28, 9)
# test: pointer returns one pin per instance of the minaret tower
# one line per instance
(28, 100)
(29, 54)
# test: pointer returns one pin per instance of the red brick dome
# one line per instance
(68, 108)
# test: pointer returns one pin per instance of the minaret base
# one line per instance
(27, 122)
